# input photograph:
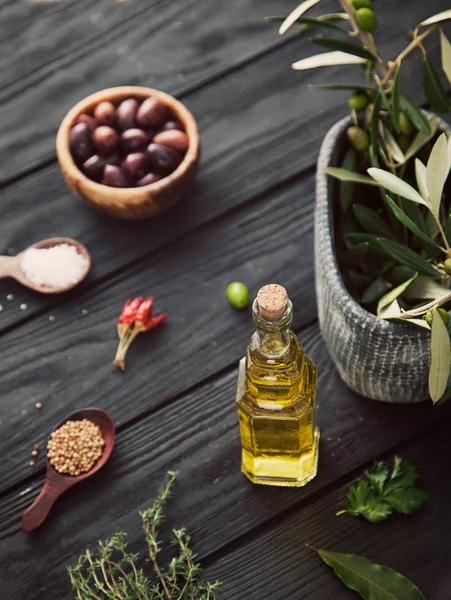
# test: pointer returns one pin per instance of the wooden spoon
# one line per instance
(10, 265)
(56, 483)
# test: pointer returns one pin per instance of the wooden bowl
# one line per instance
(138, 202)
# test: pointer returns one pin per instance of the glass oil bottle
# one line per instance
(276, 396)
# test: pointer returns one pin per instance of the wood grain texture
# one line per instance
(199, 436)
(259, 126)
(277, 564)
(66, 363)
(130, 44)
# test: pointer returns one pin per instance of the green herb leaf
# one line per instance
(345, 175)
(433, 88)
(425, 288)
(340, 86)
(396, 97)
(396, 185)
(438, 18)
(414, 114)
(374, 129)
(393, 295)
(359, 279)
(372, 222)
(422, 138)
(408, 257)
(352, 258)
(391, 144)
(375, 290)
(437, 172)
(371, 581)
(328, 59)
(295, 14)
(380, 492)
(421, 177)
(326, 20)
(344, 46)
(399, 214)
(440, 358)
(446, 55)
(347, 188)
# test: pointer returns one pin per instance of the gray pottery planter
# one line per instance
(378, 359)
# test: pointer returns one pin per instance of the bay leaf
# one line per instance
(370, 580)
(440, 358)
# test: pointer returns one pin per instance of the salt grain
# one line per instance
(56, 267)
(23, 307)
(10, 297)
(51, 318)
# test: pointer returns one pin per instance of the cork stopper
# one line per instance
(272, 300)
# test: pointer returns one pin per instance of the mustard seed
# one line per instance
(68, 449)
(34, 453)
(38, 406)
(31, 463)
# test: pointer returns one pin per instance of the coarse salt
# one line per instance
(57, 267)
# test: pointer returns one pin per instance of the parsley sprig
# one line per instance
(380, 493)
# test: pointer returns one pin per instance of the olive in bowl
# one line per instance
(131, 152)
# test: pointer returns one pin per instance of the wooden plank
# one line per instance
(198, 435)
(244, 154)
(277, 564)
(128, 42)
(53, 54)
(66, 363)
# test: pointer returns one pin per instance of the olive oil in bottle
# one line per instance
(275, 398)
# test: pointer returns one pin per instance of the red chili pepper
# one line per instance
(144, 312)
(128, 313)
(155, 321)
(135, 317)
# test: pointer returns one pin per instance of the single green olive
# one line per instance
(362, 4)
(358, 138)
(237, 294)
(367, 19)
(444, 314)
(447, 266)
(358, 101)
(404, 124)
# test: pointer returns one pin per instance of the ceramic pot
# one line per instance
(376, 358)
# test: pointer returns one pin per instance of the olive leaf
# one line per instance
(373, 129)
(295, 14)
(396, 185)
(391, 144)
(424, 288)
(367, 238)
(422, 138)
(407, 221)
(438, 18)
(323, 21)
(353, 257)
(414, 114)
(359, 279)
(446, 55)
(347, 187)
(395, 97)
(345, 175)
(394, 294)
(344, 46)
(437, 172)
(440, 358)
(328, 59)
(408, 257)
(449, 152)
(420, 175)
(370, 580)
(372, 222)
(339, 86)
(375, 290)
(391, 312)
(433, 88)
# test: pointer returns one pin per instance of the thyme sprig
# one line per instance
(112, 573)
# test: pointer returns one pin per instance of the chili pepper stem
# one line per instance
(124, 345)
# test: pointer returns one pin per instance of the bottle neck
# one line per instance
(272, 335)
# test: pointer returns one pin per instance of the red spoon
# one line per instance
(56, 483)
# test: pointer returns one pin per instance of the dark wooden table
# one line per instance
(248, 218)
